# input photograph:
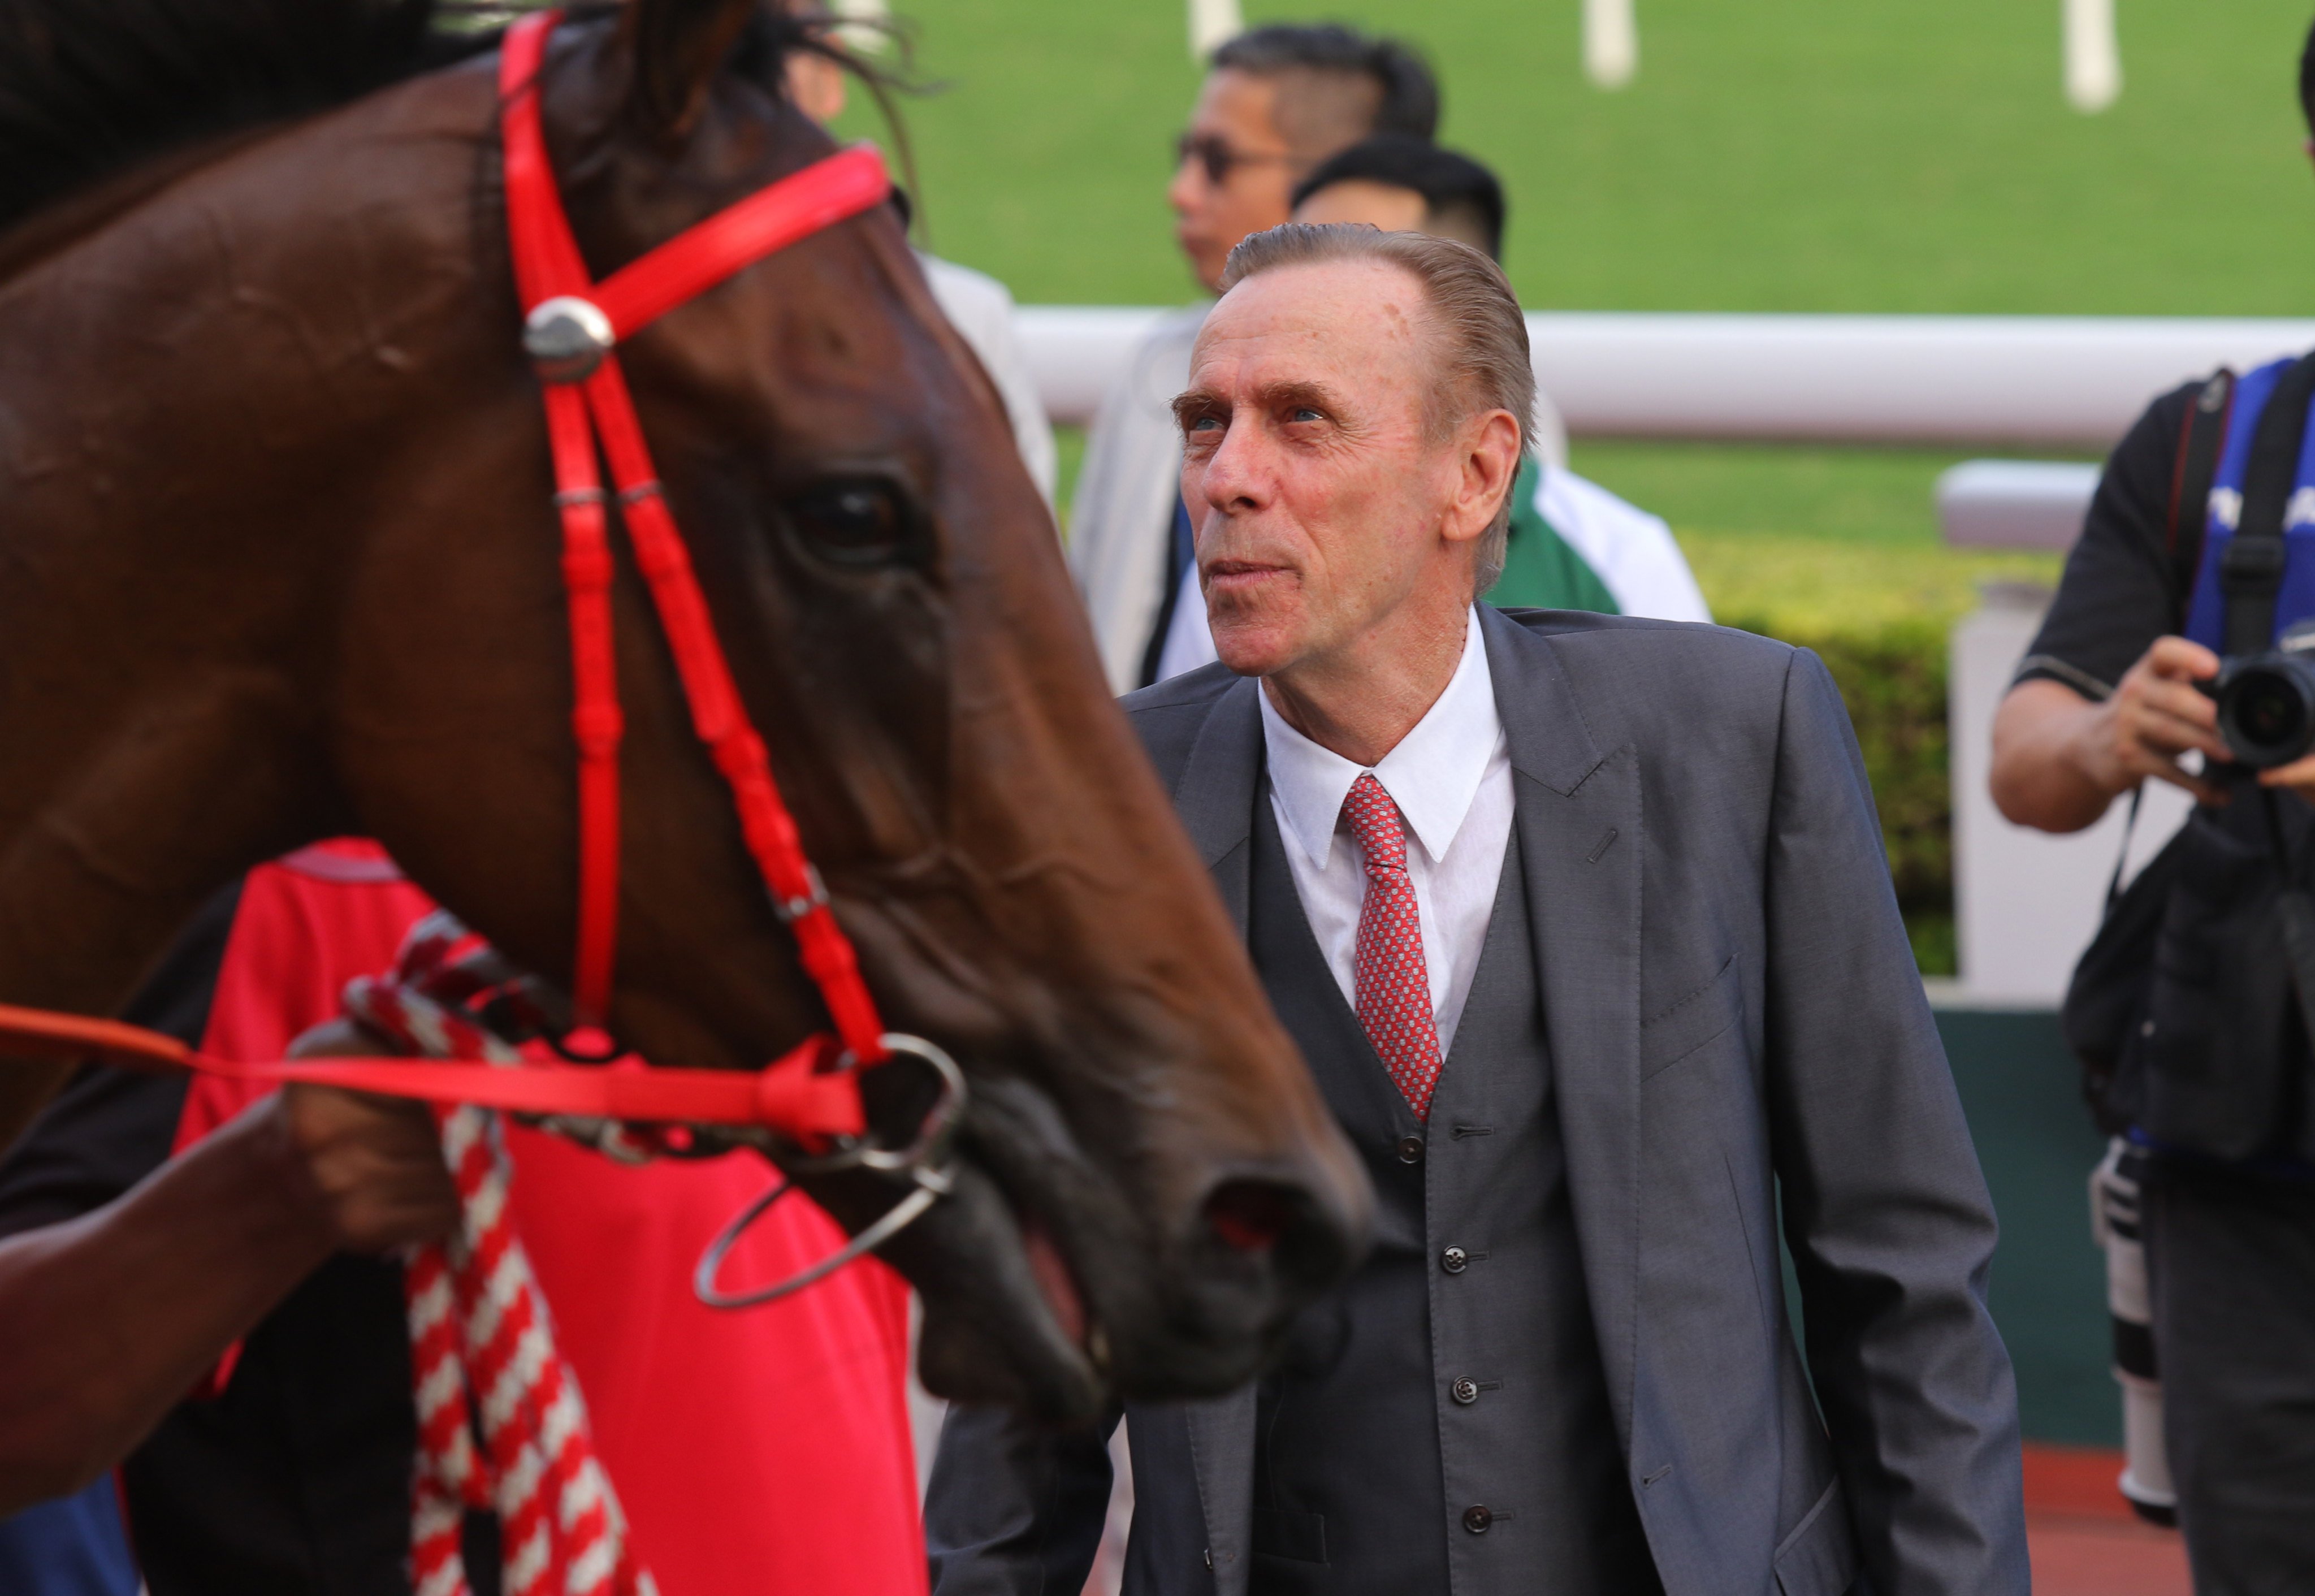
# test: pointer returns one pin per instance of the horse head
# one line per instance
(296, 574)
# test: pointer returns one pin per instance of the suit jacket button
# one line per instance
(1476, 1519)
(1410, 1149)
(1454, 1260)
(1466, 1391)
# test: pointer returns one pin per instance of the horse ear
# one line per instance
(675, 48)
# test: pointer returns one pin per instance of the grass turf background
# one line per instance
(1780, 154)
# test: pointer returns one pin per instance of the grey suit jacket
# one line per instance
(1732, 1010)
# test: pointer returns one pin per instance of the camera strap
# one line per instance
(2251, 570)
(2200, 440)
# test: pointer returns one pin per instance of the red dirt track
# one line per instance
(2085, 1539)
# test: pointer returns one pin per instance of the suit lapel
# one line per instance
(1215, 794)
(1215, 799)
(1577, 812)
(1221, 1452)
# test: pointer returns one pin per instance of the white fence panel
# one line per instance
(2050, 382)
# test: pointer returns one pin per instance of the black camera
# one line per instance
(2267, 702)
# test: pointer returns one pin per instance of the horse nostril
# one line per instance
(1250, 1216)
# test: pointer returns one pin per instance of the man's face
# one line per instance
(1317, 490)
(1382, 205)
(1233, 131)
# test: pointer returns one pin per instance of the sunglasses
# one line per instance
(1217, 159)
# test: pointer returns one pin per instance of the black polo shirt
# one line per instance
(2130, 577)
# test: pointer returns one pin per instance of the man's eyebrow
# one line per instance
(1196, 403)
(1290, 395)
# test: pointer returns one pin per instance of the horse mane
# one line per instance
(89, 88)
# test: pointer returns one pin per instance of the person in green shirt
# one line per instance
(1572, 544)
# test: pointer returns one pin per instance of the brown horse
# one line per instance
(276, 562)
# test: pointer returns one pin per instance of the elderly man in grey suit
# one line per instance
(1583, 925)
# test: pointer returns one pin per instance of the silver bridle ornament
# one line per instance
(923, 1164)
(566, 338)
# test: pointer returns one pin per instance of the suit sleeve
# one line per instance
(1885, 1211)
(1015, 1508)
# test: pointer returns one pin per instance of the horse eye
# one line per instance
(854, 523)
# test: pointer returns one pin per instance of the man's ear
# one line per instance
(674, 49)
(1489, 461)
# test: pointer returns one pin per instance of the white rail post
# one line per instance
(1611, 43)
(863, 28)
(2093, 56)
(1213, 24)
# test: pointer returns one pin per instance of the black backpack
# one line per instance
(2187, 1010)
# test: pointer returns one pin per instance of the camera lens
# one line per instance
(2266, 714)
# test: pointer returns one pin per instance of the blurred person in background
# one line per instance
(1574, 545)
(2190, 1009)
(1277, 101)
(976, 304)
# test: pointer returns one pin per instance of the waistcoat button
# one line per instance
(1454, 1260)
(1466, 1391)
(1476, 1519)
(1410, 1149)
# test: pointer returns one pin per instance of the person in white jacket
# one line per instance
(976, 304)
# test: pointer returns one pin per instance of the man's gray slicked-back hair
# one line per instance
(1477, 316)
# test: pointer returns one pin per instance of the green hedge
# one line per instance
(1879, 616)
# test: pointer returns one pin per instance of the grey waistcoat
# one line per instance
(1443, 1423)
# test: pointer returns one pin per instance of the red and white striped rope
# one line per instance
(482, 1342)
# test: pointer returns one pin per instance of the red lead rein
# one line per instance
(795, 1097)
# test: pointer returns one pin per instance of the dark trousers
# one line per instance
(2231, 1259)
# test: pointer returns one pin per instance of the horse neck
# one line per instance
(198, 397)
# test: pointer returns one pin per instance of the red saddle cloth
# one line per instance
(757, 1451)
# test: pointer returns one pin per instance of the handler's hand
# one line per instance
(2156, 714)
(371, 1166)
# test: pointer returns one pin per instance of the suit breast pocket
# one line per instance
(1704, 1015)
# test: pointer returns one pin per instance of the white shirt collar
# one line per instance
(1433, 774)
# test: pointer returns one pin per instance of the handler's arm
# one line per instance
(110, 1318)
(1891, 1228)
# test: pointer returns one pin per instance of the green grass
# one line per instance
(1778, 154)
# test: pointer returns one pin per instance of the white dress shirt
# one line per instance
(1451, 779)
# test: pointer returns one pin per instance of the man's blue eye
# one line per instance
(1307, 414)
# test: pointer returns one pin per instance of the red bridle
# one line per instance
(572, 326)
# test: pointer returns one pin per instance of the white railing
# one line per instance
(2043, 382)
(2026, 902)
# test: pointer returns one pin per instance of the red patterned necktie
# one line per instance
(1393, 984)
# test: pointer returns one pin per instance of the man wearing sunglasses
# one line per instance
(1277, 101)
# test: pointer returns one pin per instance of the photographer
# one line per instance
(2197, 557)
